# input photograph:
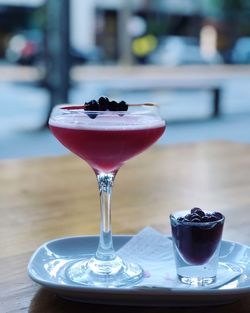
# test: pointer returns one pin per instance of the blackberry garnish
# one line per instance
(104, 104)
(195, 210)
(113, 106)
(91, 106)
(198, 216)
(123, 106)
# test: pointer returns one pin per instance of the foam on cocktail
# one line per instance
(106, 122)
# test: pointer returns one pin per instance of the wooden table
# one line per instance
(42, 199)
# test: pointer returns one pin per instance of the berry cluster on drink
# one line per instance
(104, 104)
(197, 215)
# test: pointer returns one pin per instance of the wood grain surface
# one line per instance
(43, 199)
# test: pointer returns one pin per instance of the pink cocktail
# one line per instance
(105, 143)
(105, 140)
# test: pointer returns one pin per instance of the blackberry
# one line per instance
(195, 210)
(195, 217)
(103, 103)
(113, 106)
(187, 218)
(123, 106)
(91, 106)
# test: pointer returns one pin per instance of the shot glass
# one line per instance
(196, 245)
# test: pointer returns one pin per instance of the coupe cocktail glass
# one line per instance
(106, 140)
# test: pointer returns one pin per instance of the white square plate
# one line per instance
(48, 264)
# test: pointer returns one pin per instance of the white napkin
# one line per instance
(154, 252)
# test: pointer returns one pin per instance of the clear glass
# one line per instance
(106, 140)
(196, 249)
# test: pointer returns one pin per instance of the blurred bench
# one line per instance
(141, 78)
(134, 85)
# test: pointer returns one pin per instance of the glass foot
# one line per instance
(197, 281)
(107, 274)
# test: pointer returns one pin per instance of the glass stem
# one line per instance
(105, 251)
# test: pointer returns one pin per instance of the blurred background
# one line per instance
(192, 57)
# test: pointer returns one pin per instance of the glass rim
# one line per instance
(78, 108)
